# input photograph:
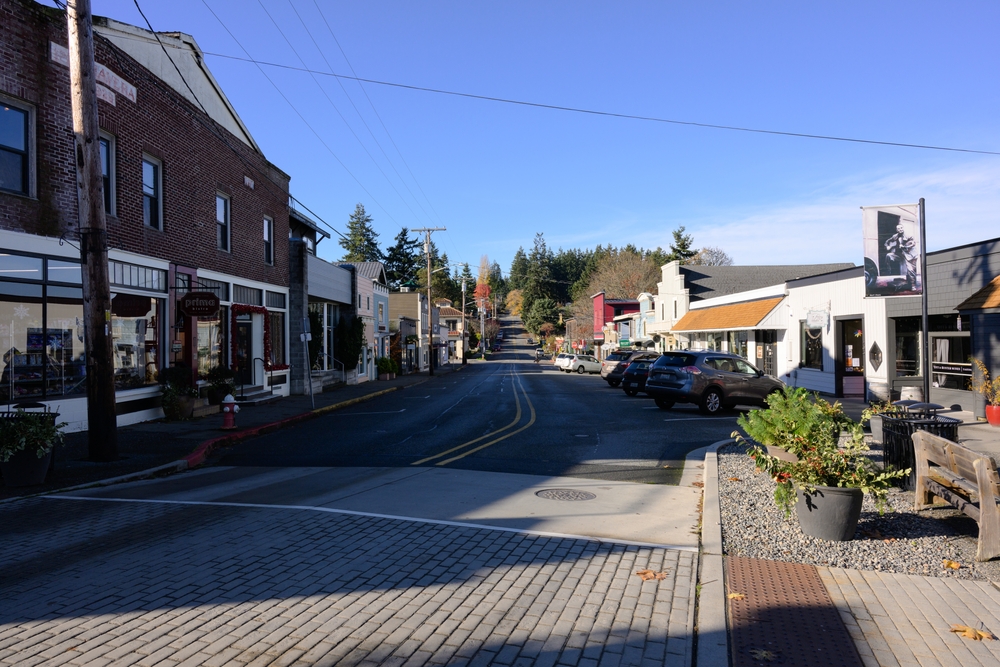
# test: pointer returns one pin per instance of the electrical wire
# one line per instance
(297, 112)
(613, 114)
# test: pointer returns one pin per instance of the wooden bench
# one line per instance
(965, 479)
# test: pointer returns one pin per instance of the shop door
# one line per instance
(767, 351)
(244, 352)
(850, 358)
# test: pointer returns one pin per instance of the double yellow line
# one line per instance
(517, 418)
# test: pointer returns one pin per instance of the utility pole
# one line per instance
(430, 313)
(101, 418)
(465, 334)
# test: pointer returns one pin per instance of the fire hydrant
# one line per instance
(229, 410)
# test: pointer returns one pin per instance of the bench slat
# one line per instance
(957, 501)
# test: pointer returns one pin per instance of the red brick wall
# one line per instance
(199, 159)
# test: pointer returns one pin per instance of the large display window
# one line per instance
(135, 339)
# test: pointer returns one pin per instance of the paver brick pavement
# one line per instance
(102, 582)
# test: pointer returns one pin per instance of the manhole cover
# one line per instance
(565, 494)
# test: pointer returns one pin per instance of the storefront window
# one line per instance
(738, 343)
(812, 347)
(951, 367)
(277, 338)
(22, 341)
(212, 341)
(67, 363)
(135, 339)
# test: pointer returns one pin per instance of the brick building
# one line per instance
(192, 204)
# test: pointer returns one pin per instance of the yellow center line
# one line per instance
(493, 442)
(517, 418)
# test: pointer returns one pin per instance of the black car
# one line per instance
(614, 377)
(711, 380)
(634, 377)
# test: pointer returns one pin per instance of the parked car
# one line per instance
(539, 353)
(611, 360)
(561, 360)
(582, 363)
(712, 380)
(614, 378)
(496, 346)
(531, 341)
(634, 377)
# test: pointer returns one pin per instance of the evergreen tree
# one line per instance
(518, 270)
(361, 242)
(681, 249)
(538, 280)
(402, 260)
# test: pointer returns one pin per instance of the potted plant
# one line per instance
(386, 368)
(872, 415)
(989, 389)
(222, 381)
(827, 480)
(177, 396)
(26, 443)
(794, 416)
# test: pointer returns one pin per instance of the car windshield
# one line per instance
(675, 359)
(617, 356)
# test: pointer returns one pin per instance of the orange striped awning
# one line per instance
(732, 316)
(987, 297)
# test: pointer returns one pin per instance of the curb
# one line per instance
(175, 466)
(201, 452)
(711, 622)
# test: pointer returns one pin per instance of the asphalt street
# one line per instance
(508, 414)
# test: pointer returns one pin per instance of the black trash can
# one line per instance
(898, 446)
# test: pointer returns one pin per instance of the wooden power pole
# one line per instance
(101, 417)
(430, 313)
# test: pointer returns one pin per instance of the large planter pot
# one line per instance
(383, 376)
(993, 415)
(781, 454)
(24, 468)
(830, 512)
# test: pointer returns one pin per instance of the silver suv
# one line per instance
(711, 380)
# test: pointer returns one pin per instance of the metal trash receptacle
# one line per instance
(897, 445)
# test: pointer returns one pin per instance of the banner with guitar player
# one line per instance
(892, 250)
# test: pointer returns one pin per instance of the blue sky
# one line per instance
(494, 174)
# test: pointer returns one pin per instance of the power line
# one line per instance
(297, 112)
(377, 115)
(337, 109)
(612, 114)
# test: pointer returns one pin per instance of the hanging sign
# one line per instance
(892, 250)
(817, 319)
(199, 304)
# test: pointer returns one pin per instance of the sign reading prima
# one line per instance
(199, 304)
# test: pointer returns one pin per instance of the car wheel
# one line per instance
(711, 402)
(663, 403)
(579, 370)
(614, 383)
(631, 392)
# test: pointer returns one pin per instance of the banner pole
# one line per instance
(925, 335)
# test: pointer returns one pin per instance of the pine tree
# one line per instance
(518, 270)
(681, 249)
(403, 259)
(361, 242)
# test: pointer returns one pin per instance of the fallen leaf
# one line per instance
(666, 466)
(889, 539)
(734, 479)
(871, 533)
(698, 484)
(648, 575)
(737, 596)
(972, 633)
(761, 654)
(951, 564)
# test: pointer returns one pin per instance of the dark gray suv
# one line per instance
(712, 380)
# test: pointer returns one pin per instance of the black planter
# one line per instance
(24, 468)
(830, 512)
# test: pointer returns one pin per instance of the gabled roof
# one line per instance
(448, 311)
(186, 56)
(986, 297)
(745, 315)
(705, 282)
(373, 270)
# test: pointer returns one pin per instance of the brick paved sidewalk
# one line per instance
(901, 620)
(97, 583)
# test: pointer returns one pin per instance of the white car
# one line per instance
(582, 363)
(562, 360)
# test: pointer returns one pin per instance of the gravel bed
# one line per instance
(901, 541)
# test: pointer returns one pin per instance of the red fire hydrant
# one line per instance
(229, 410)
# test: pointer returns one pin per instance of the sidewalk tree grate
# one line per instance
(565, 494)
(781, 614)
